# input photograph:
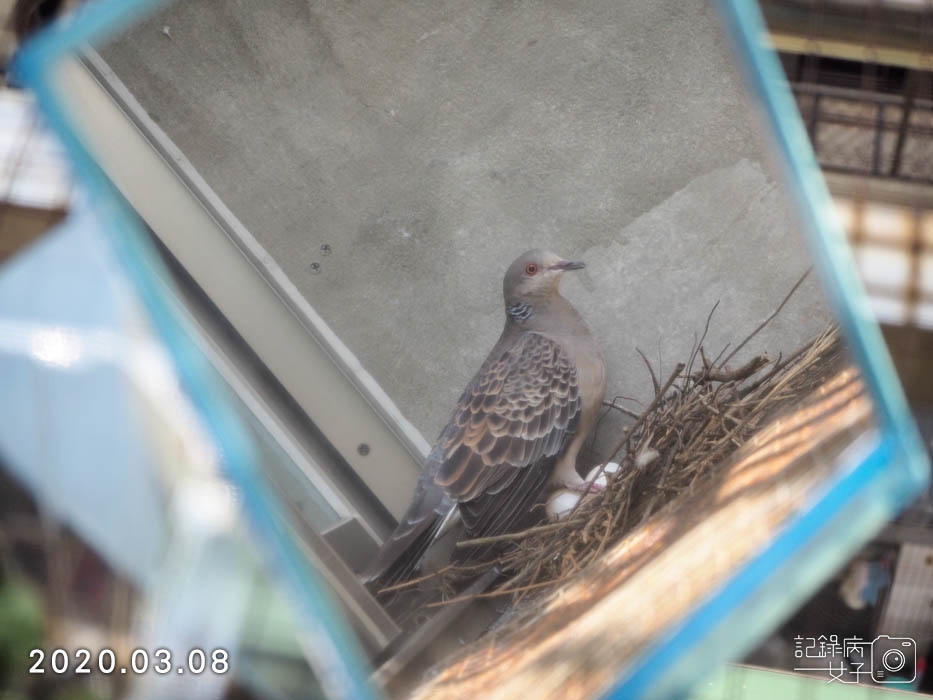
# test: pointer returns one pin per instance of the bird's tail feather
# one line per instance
(509, 510)
(400, 554)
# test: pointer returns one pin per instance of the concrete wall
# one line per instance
(428, 143)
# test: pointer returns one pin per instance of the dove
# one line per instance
(517, 428)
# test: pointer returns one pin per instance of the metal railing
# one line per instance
(867, 133)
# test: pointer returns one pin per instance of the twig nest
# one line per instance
(560, 503)
(601, 479)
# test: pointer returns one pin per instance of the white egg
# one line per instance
(561, 503)
(611, 468)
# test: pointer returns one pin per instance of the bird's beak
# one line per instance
(568, 265)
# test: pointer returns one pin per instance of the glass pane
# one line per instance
(644, 476)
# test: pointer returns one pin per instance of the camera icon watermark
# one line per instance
(885, 659)
(893, 659)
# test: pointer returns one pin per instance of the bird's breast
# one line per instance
(587, 357)
(591, 379)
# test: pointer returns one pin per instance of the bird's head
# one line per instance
(533, 277)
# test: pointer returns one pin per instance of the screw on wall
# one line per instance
(314, 268)
(363, 449)
(326, 249)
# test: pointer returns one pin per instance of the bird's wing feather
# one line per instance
(401, 550)
(517, 411)
(496, 453)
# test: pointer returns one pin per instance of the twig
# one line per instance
(414, 581)
(721, 353)
(647, 412)
(775, 368)
(768, 320)
(496, 593)
(610, 405)
(654, 379)
(734, 375)
(699, 345)
(621, 409)
(518, 535)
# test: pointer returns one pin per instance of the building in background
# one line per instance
(862, 74)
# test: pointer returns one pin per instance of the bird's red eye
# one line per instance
(531, 269)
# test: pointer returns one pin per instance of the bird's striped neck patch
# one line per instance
(519, 310)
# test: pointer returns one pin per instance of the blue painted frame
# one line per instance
(332, 649)
(847, 513)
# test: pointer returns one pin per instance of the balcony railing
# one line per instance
(867, 133)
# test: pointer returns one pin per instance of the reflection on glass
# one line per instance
(375, 169)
